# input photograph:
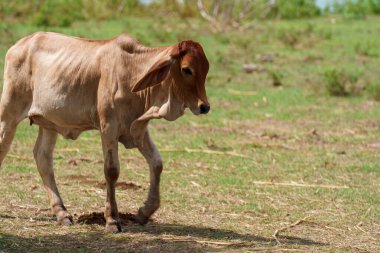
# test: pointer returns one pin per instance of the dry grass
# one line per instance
(201, 215)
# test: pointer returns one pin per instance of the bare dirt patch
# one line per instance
(88, 180)
(98, 218)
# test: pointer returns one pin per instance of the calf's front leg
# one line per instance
(111, 172)
(153, 157)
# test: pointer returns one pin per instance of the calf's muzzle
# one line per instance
(204, 108)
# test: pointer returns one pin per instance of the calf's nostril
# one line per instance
(204, 108)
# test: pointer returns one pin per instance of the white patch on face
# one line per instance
(172, 109)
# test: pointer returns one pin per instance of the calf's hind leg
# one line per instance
(7, 133)
(43, 154)
(11, 113)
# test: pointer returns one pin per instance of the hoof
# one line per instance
(141, 218)
(65, 220)
(113, 228)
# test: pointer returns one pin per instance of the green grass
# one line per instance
(293, 134)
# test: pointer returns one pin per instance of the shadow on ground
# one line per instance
(129, 225)
(150, 238)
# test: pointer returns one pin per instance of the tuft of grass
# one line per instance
(276, 77)
(301, 36)
(371, 168)
(366, 49)
(290, 37)
(373, 90)
(335, 83)
(342, 83)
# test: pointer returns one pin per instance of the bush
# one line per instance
(17, 9)
(111, 9)
(294, 9)
(58, 13)
(373, 6)
(356, 8)
(350, 8)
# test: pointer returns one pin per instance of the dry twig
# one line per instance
(206, 151)
(294, 184)
(244, 93)
(205, 15)
(68, 150)
(21, 157)
(277, 232)
(284, 146)
(219, 243)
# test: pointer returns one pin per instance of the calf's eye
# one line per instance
(187, 71)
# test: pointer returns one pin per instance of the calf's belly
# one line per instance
(66, 132)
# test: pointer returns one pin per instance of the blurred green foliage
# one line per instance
(356, 8)
(64, 12)
(294, 9)
(58, 13)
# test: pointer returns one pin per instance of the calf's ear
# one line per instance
(155, 75)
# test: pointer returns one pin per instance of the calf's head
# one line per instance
(186, 66)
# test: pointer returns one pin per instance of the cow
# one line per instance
(67, 85)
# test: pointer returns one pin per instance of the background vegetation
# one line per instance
(290, 147)
(64, 12)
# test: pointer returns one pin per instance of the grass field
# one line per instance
(290, 160)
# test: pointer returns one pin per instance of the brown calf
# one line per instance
(68, 85)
